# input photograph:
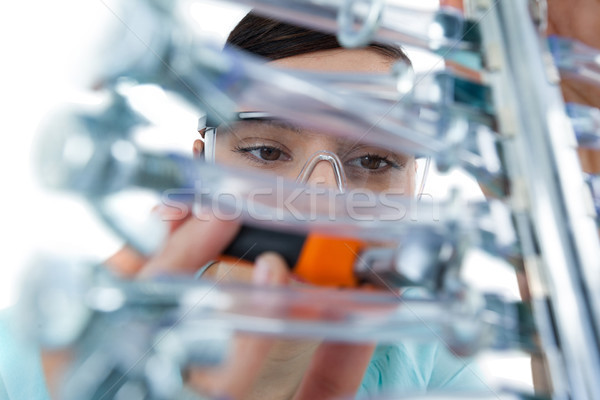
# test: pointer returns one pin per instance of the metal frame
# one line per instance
(551, 204)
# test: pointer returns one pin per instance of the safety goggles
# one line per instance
(257, 141)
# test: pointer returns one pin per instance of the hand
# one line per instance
(128, 263)
(258, 367)
(262, 368)
(578, 19)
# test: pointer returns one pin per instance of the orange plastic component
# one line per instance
(453, 3)
(328, 261)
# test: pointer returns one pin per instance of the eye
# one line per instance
(371, 162)
(267, 153)
(264, 153)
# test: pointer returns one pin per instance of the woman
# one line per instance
(305, 370)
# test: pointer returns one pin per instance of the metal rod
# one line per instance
(558, 232)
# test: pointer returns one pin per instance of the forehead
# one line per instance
(334, 60)
(340, 60)
(282, 129)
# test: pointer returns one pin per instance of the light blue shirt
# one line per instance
(20, 365)
(413, 368)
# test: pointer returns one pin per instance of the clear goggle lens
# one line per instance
(258, 142)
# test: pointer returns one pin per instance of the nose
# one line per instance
(324, 167)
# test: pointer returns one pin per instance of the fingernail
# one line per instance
(170, 213)
(262, 271)
(298, 278)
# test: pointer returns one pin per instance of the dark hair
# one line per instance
(274, 39)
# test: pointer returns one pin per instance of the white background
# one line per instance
(48, 50)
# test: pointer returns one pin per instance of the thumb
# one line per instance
(270, 269)
(197, 241)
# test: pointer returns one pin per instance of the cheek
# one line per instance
(410, 178)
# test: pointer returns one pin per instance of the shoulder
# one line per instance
(416, 368)
(21, 374)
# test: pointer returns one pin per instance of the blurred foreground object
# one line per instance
(510, 130)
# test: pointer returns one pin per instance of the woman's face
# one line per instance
(284, 149)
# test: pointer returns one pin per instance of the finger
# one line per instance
(248, 353)
(54, 365)
(197, 241)
(271, 270)
(336, 371)
(128, 262)
(174, 216)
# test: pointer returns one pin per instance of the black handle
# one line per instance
(251, 242)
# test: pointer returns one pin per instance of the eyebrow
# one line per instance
(269, 119)
(265, 117)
